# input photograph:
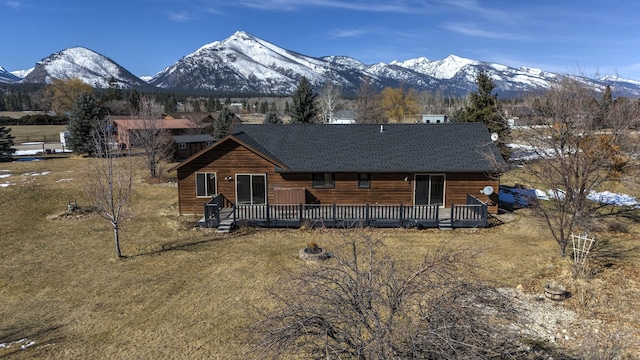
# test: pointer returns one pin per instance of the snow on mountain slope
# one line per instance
(87, 65)
(7, 77)
(446, 68)
(22, 73)
(242, 62)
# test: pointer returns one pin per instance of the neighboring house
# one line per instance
(187, 145)
(391, 164)
(434, 119)
(343, 117)
(124, 127)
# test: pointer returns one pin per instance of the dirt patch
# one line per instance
(76, 214)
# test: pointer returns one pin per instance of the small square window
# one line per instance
(364, 181)
(323, 181)
(182, 146)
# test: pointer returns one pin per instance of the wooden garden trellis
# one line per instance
(581, 247)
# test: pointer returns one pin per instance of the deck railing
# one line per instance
(473, 214)
(334, 215)
(212, 209)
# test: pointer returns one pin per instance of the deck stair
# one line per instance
(225, 226)
(445, 225)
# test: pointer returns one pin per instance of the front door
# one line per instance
(251, 189)
(429, 190)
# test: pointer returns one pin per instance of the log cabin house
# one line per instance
(366, 174)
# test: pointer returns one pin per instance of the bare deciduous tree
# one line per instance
(363, 305)
(329, 96)
(368, 104)
(154, 140)
(110, 180)
(576, 154)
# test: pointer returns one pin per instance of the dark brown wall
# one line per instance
(192, 148)
(229, 158)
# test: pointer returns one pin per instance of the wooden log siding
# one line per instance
(229, 158)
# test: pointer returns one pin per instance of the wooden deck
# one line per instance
(472, 214)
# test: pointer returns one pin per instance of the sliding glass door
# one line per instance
(251, 189)
(429, 190)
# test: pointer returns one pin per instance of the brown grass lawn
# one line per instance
(184, 292)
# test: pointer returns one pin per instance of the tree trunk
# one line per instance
(116, 238)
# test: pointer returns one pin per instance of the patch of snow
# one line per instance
(2, 176)
(38, 174)
(64, 180)
(24, 344)
(611, 198)
(603, 197)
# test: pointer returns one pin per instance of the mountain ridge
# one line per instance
(246, 64)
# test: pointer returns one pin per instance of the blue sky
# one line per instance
(580, 37)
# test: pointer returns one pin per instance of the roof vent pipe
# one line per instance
(381, 127)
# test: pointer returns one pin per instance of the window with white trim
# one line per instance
(205, 184)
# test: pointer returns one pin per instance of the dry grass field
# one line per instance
(184, 292)
(30, 133)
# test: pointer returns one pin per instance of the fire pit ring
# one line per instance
(313, 252)
(555, 291)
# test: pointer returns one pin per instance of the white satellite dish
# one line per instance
(494, 136)
(488, 190)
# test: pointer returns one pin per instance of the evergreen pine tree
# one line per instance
(170, 105)
(114, 92)
(222, 124)
(484, 107)
(134, 102)
(304, 108)
(196, 105)
(86, 115)
(6, 144)
(272, 118)
(605, 105)
(286, 107)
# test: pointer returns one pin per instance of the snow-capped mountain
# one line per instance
(7, 77)
(87, 65)
(22, 73)
(242, 63)
(245, 64)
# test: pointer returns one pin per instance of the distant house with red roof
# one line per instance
(124, 127)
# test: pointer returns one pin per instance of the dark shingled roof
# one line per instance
(457, 147)
(195, 138)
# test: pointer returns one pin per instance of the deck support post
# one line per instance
(334, 213)
(268, 213)
(300, 209)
